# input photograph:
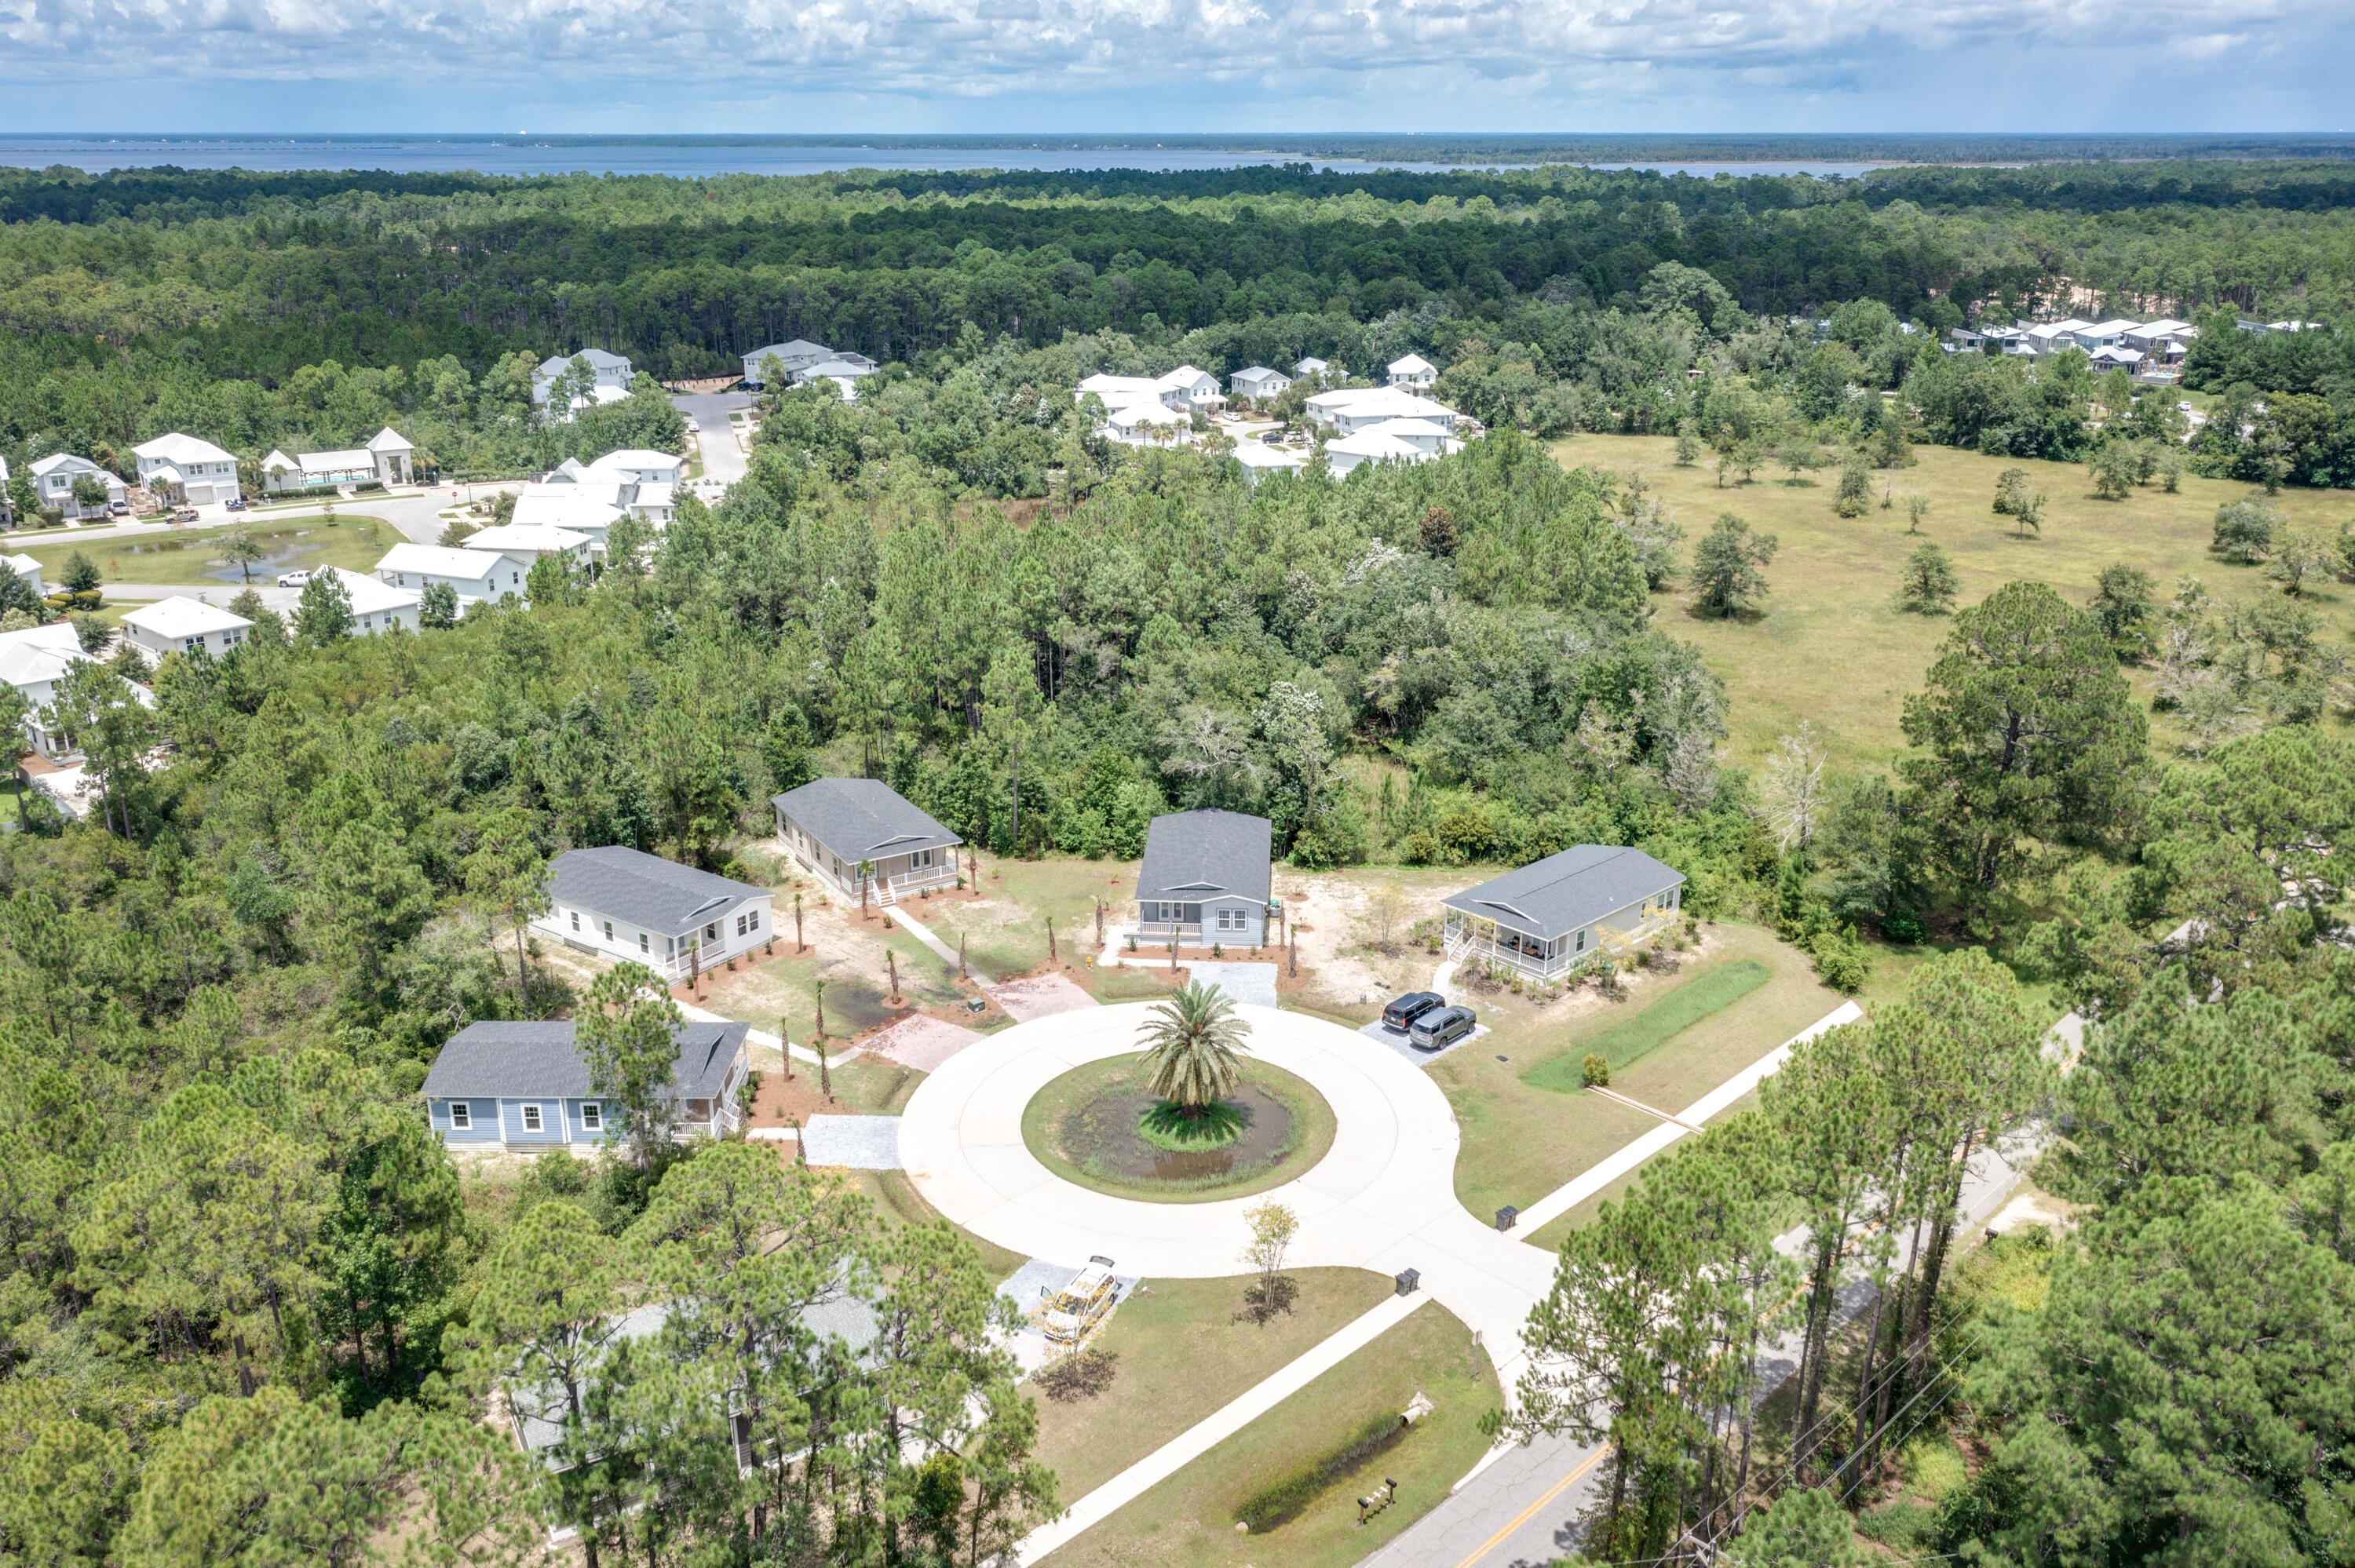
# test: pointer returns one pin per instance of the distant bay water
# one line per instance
(698, 156)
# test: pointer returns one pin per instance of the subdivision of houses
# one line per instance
(183, 625)
(866, 839)
(1551, 918)
(620, 903)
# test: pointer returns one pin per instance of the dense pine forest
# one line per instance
(250, 1313)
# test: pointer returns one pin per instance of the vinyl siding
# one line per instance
(552, 1123)
(486, 1117)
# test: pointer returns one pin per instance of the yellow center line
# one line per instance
(1522, 1518)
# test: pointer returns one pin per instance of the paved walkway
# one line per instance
(1040, 996)
(1383, 1199)
(1216, 1428)
(923, 932)
(856, 1142)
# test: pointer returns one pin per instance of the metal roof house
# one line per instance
(1550, 918)
(522, 1087)
(798, 355)
(621, 903)
(1258, 381)
(833, 825)
(1205, 878)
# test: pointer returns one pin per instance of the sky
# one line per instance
(1006, 66)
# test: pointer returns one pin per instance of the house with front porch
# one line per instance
(832, 826)
(522, 1087)
(1205, 877)
(53, 482)
(619, 903)
(1549, 919)
(184, 469)
(384, 461)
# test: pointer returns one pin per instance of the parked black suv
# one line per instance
(1410, 1007)
(1441, 1027)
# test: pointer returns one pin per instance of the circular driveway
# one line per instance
(1383, 1198)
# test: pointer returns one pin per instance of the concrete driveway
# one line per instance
(723, 458)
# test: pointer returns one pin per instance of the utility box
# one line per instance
(1507, 1216)
(1407, 1279)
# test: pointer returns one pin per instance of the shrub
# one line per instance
(1855, 493)
(1901, 1526)
(1082, 1375)
(2244, 531)
(1289, 1497)
(2010, 492)
(1841, 961)
(1595, 1070)
(1903, 927)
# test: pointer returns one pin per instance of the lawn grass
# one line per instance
(1832, 646)
(353, 542)
(1006, 929)
(1718, 989)
(1188, 1521)
(1310, 1140)
(1520, 1143)
(1184, 1350)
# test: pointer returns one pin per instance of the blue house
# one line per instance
(522, 1087)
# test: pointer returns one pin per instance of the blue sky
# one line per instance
(920, 66)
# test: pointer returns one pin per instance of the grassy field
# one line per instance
(1188, 1521)
(1006, 929)
(355, 543)
(1521, 1143)
(1308, 1141)
(1833, 647)
(1184, 1351)
(1623, 1046)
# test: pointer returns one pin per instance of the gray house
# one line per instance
(1547, 920)
(1205, 879)
(1257, 382)
(612, 371)
(523, 1086)
(798, 355)
(621, 903)
(832, 825)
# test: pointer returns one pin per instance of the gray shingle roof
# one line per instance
(1564, 892)
(512, 1060)
(862, 818)
(644, 890)
(1194, 855)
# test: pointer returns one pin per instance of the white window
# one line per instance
(712, 932)
(531, 1118)
(739, 924)
(592, 1117)
(752, 919)
(576, 919)
(645, 945)
(609, 930)
(461, 1115)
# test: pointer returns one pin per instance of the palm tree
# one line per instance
(1190, 1048)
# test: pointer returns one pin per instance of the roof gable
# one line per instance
(1196, 856)
(508, 1060)
(863, 818)
(644, 890)
(1565, 892)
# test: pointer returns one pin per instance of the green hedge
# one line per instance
(1680, 1009)
(1289, 1498)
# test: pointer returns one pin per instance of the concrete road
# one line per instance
(1529, 1507)
(282, 600)
(723, 458)
(417, 513)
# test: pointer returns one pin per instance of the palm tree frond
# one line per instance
(1191, 1046)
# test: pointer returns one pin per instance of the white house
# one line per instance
(33, 661)
(29, 572)
(2051, 337)
(1257, 382)
(1428, 437)
(1260, 459)
(183, 625)
(577, 511)
(641, 465)
(1184, 388)
(2103, 334)
(1346, 413)
(2150, 335)
(468, 572)
(2113, 357)
(1414, 373)
(377, 605)
(621, 903)
(53, 482)
(1145, 424)
(384, 459)
(1310, 368)
(195, 471)
(521, 544)
(844, 370)
(1351, 452)
(798, 355)
(611, 372)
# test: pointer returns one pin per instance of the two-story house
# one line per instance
(185, 469)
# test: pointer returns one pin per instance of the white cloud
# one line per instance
(1538, 62)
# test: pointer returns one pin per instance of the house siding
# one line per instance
(925, 868)
(739, 929)
(486, 1117)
